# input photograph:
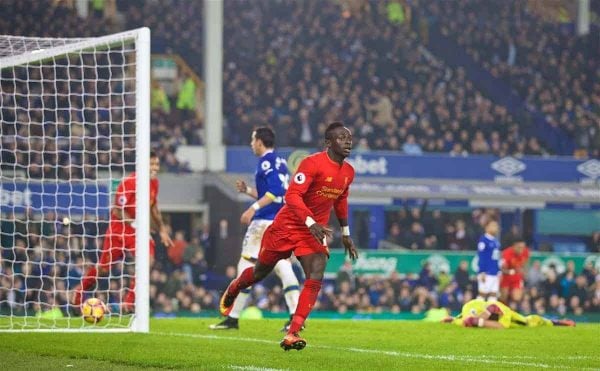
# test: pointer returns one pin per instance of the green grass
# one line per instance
(332, 345)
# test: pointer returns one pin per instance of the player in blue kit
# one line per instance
(488, 252)
(271, 179)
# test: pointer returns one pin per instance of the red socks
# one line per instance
(308, 298)
(89, 279)
(246, 279)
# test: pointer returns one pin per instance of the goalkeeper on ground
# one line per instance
(481, 313)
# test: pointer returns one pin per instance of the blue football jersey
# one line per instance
(271, 176)
(488, 251)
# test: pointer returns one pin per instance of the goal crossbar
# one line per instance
(57, 51)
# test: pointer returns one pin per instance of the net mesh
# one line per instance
(67, 138)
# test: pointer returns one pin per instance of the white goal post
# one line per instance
(74, 121)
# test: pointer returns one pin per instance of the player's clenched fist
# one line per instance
(241, 186)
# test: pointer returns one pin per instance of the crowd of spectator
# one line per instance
(74, 117)
(547, 291)
(298, 65)
(420, 229)
(540, 56)
(43, 258)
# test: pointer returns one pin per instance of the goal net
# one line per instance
(74, 121)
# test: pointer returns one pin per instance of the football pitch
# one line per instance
(332, 345)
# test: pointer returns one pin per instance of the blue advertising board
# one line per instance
(435, 166)
(62, 198)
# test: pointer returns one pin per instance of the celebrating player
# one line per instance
(514, 260)
(271, 183)
(488, 251)
(481, 313)
(120, 235)
(321, 182)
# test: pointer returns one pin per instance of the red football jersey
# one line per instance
(318, 185)
(125, 196)
(512, 260)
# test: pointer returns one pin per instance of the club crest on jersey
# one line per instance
(265, 165)
(299, 178)
(329, 179)
(121, 200)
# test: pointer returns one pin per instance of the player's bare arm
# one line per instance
(162, 228)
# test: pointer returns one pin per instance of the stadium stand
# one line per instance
(394, 93)
(371, 73)
(377, 76)
(538, 54)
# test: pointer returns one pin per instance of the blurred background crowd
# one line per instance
(42, 261)
(298, 65)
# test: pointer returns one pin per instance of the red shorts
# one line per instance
(511, 282)
(116, 242)
(275, 247)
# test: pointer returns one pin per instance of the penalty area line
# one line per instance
(392, 353)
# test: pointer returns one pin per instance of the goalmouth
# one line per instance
(74, 121)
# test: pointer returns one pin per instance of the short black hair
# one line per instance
(331, 127)
(266, 135)
(153, 154)
(519, 239)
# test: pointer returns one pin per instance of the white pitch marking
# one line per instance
(450, 358)
(254, 368)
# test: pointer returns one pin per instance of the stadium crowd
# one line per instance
(84, 122)
(534, 48)
(547, 291)
(43, 259)
(374, 74)
(361, 66)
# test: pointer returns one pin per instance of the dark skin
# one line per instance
(338, 145)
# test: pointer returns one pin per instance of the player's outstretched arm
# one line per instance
(162, 228)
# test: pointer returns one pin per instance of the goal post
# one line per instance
(74, 119)
(141, 321)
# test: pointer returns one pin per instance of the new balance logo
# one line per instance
(329, 179)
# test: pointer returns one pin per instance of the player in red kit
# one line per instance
(320, 184)
(514, 260)
(120, 235)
